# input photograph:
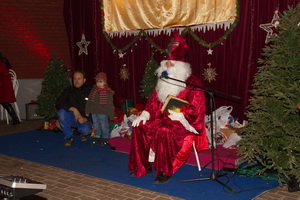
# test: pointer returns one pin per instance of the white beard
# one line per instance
(180, 71)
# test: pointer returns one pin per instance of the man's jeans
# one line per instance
(101, 126)
(67, 121)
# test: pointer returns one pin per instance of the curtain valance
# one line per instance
(127, 17)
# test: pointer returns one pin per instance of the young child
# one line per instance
(100, 105)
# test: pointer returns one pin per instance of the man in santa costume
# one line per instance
(164, 141)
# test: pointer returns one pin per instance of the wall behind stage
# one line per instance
(234, 60)
(30, 32)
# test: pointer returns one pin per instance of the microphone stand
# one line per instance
(214, 174)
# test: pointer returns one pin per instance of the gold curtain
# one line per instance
(125, 15)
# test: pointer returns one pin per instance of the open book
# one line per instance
(173, 103)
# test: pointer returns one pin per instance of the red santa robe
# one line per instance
(6, 87)
(169, 139)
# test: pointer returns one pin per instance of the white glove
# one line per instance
(175, 116)
(143, 117)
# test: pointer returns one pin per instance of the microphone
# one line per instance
(164, 74)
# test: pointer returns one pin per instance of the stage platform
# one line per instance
(224, 158)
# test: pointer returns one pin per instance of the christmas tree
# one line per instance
(56, 79)
(149, 80)
(272, 136)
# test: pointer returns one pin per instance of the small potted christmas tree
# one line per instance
(150, 79)
(55, 81)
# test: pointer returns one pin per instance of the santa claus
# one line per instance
(164, 141)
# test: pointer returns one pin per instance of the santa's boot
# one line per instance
(8, 107)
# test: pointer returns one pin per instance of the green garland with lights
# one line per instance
(186, 30)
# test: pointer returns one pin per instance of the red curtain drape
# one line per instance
(235, 60)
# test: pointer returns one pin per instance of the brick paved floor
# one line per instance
(64, 185)
(68, 185)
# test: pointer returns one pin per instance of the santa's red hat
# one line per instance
(177, 47)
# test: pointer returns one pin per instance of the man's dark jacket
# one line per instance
(74, 97)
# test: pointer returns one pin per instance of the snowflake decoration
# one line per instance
(271, 27)
(124, 73)
(210, 73)
(83, 44)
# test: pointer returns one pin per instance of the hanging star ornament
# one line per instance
(83, 44)
(210, 73)
(121, 54)
(209, 51)
(124, 73)
(271, 27)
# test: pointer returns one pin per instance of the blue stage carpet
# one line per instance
(47, 148)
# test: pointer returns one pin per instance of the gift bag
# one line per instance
(222, 116)
(125, 128)
(115, 131)
(232, 140)
(220, 120)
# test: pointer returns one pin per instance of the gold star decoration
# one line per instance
(83, 44)
(124, 73)
(210, 73)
